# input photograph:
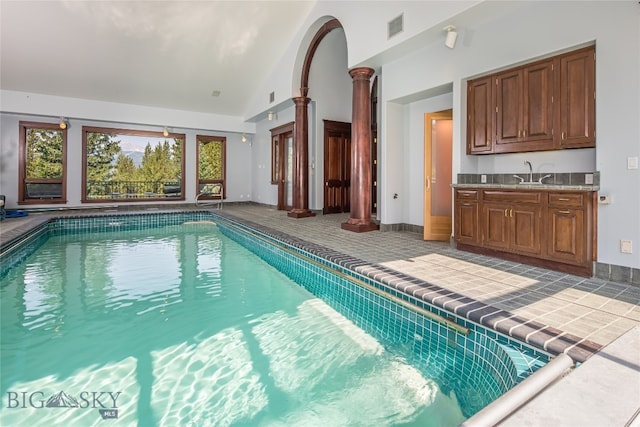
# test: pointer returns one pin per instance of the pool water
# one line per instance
(182, 326)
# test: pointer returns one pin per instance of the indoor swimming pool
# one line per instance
(191, 319)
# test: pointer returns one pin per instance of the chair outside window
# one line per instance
(210, 195)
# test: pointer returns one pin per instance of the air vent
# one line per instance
(272, 97)
(395, 26)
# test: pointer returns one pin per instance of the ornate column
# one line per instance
(360, 215)
(301, 160)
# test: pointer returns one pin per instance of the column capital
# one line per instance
(301, 100)
(364, 73)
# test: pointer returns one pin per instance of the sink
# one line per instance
(538, 182)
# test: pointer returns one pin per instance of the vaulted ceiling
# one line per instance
(203, 56)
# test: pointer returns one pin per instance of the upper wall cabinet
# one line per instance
(545, 105)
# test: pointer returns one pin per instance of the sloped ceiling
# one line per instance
(167, 54)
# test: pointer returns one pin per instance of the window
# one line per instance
(42, 172)
(131, 165)
(211, 164)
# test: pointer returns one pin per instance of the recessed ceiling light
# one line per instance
(215, 93)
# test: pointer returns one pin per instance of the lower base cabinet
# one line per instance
(553, 229)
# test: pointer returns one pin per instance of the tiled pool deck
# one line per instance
(579, 314)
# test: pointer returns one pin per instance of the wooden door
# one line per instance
(525, 229)
(496, 225)
(538, 112)
(467, 230)
(577, 99)
(509, 107)
(374, 146)
(438, 140)
(480, 116)
(282, 153)
(566, 242)
(337, 167)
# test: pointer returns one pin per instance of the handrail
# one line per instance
(513, 399)
(216, 201)
(414, 308)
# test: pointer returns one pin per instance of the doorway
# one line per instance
(282, 164)
(438, 140)
(337, 167)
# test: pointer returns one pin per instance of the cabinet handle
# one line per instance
(511, 213)
(466, 204)
(563, 199)
(563, 135)
(564, 212)
(506, 212)
(428, 183)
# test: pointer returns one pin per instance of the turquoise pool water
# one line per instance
(180, 325)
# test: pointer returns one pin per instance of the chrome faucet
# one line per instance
(527, 162)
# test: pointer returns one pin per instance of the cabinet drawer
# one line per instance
(467, 194)
(511, 196)
(561, 200)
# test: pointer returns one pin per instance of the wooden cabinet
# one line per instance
(481, 112)
(565, 227)
(577, 99)
(545, 105)
(511, 220)
(466, 213)
(554, 229)
(525, 108)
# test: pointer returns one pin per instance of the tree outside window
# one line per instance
(42, 172)
(130, 165)
(211, 163)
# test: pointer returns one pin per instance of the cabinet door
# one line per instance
(525, 229)
(509, 107)
(538, 104)
(480, 116)
(577, 99)
(466, 222)
(566, 235)
(495, 225)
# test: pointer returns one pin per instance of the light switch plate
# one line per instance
(632, 162)
(588, 178)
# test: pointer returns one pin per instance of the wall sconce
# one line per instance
(244, 138)
(271, 115)
(165, 132)
(452, 35)
(63, 123)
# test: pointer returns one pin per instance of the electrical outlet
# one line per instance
(588, 178)
(483, 179)
(632, 162)
(626, 246)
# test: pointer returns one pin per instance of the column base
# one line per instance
(300, 213)
(359, 226)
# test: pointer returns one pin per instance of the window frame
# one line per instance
(223, 181)
(131, 132)
(23, 197)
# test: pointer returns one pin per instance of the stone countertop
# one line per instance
(557, 187)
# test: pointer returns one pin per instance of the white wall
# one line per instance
(238, 177)
(330, 87)
(414, 154)
(508, 39)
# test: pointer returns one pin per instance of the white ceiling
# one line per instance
(168, 54)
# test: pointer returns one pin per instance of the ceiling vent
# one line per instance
(395, 26)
